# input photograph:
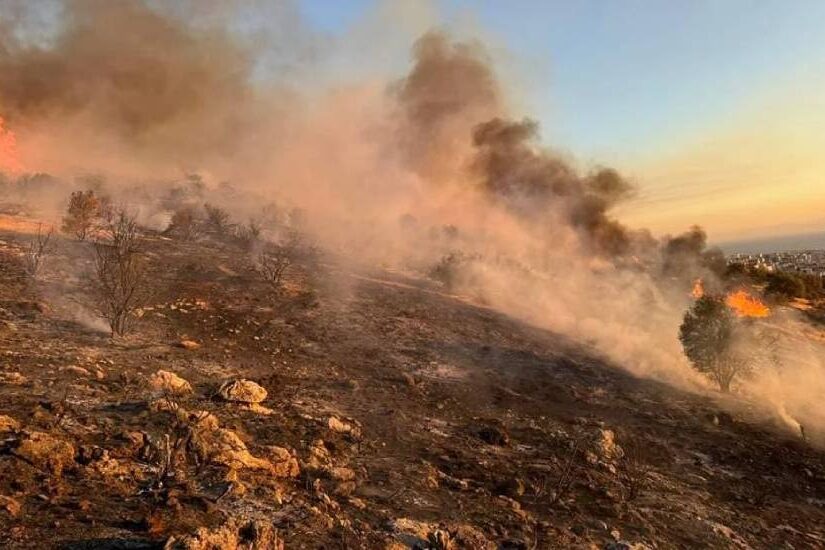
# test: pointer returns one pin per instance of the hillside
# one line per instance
(396, 416)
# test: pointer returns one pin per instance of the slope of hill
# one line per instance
(396, 416)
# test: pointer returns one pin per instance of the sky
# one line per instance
(713, 107)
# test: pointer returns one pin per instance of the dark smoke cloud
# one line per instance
(150, 80)
(449, 89)
(687, 256)
(456, 120)
(533, 181)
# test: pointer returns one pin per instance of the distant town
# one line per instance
(809, 262)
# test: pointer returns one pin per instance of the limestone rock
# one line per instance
(8, 424)
(283, 463)
(79, 371)
(45, 451)
(242, 391)
(337, 425)
(605, 446)
(169, 382)
(189, 344)
(162, 405)
(12, 378)
(340, 473)
(232, 535)
(224, 447)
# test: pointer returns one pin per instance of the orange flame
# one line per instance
(9, 156)
(745, 305)
(698, 289)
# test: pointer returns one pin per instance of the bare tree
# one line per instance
(120, 273)
(249, 235)
(217, 219)
(185, 224)
(37, 250)
(82, 213)
(272, 263)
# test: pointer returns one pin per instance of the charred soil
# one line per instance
(371, 409)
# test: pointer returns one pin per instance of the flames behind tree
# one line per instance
(743, 304)
(698, 289)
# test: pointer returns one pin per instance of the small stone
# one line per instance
(79, 371)
(12, 378)
(189, 344)
(162, 405)
(242, 391)
(340, 473)
(283, 463)
(337, 425)
(169, 382)
(606, 446)
(8, 424)
(10, 505)
(357, 503)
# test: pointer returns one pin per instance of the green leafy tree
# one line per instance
(707, 334)
(785, 285)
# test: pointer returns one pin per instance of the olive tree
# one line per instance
(708, 336)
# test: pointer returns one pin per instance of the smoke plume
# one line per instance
(402, 170)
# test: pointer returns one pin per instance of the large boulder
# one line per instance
(242, 391)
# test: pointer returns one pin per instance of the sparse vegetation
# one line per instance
(249, 235)
(448, 270)
(82, 214)
(785, 286)
(185, 224)
(707, 334)
(632, 469)
(37, 250)
(217, 220)
(272, 263)
(120, 270)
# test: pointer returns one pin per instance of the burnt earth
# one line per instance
(416, 417)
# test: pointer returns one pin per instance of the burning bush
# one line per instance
(120, 273)
(82, 214)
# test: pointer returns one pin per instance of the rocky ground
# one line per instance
(356, 410)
